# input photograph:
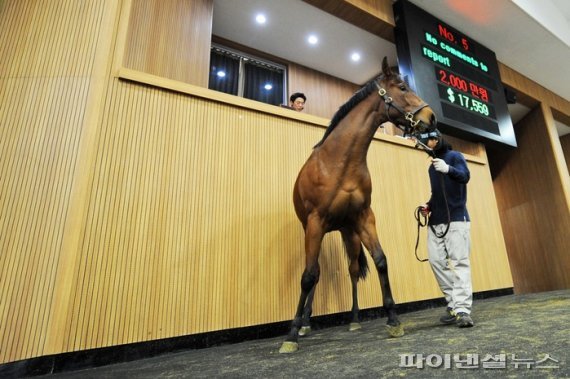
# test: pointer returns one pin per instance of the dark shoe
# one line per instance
(448, 318)
(464, 320)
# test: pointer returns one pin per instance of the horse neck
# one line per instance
(351, 138)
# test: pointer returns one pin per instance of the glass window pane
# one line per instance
(224, 72)
(239, 74)
(263, 84)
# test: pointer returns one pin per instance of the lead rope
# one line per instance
(421, 223)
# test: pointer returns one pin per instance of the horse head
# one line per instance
(403, 107)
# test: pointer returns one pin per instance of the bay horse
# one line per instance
(333, 188)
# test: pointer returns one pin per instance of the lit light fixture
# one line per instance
(268, 86)
(355, 57)
(260, 18)
(221, 74)
(313, 39)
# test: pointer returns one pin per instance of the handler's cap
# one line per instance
(424, 137)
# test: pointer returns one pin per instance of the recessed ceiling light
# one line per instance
(260, 18)
(221, 74)
(355, 57)
(268, 86)
(313, 39)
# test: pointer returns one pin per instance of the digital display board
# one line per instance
(458, 77)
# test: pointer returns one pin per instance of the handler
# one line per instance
(449, 244)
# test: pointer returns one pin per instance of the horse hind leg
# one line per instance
(371, 242)
(355, 322)
(358, 268)
(394, 326)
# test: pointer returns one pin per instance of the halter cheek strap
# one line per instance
(409, 116)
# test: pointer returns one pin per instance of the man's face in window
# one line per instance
(298, 104)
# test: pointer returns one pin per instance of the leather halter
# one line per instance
(409, 116)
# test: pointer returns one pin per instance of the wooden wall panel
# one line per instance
(171, 39)
(467, 147)
(47, 42)
(565, 143)
(177, 213)
(534, 210)
(530, 93)
(47, 55)
(374, 16)
(324, 93)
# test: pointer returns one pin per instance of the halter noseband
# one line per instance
(409, 116)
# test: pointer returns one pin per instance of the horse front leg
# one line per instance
(307, 312)
(313, 238)
(371, 242)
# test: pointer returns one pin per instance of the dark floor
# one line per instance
(525, 329)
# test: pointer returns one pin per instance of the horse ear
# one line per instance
(386, 70)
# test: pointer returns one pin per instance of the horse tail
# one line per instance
(362, 263)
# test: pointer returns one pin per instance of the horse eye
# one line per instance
(402, 87)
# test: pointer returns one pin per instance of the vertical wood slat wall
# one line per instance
(171, 39)
(324, 92)
(535, 204)
(47, 54)
(533, 191)
(189, 224)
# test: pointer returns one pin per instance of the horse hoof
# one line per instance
(304, 331)
(289, 347)
(395, 331)
(354, 326)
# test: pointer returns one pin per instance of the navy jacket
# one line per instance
(455, 184)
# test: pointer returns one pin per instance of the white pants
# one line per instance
(449, 259)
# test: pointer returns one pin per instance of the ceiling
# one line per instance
(530, 36)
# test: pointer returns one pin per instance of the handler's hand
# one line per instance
(440, 165)
(424, 210)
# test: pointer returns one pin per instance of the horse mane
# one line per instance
(360, 95)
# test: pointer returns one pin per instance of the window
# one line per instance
(243, 75)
